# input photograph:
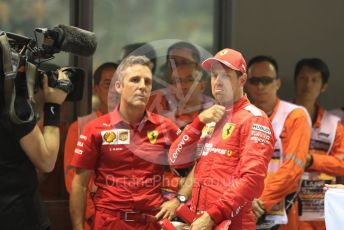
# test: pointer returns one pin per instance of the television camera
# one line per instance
(21, 58)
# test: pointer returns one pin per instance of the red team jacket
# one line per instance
(232, 158)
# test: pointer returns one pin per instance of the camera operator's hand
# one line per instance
(54, 95)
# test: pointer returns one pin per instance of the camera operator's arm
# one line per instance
(42, 149)
(77, 201)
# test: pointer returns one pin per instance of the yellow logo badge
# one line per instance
(152, 136)
(123, 135)
(229, 153)
(207, 130)
(227, 130)
(224, 52)
(109, 137)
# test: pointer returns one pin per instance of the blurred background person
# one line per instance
(138, 49)
(102, 78)
(183, 98)
(326, 150)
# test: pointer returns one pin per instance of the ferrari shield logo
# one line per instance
(227, 130)
(223, 52)
(152, 136)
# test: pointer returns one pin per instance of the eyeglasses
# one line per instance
(187, 80)
(265, 80)
(173, 63)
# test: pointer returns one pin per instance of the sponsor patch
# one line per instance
(227, 130)
(208, 130)
(116, 137)
(78, 151)
(260, 134)
(123, 135)
(180, 146)
(261, 128)
(152, 136)
(208, 148)
(80, 144)
(259, 140)
(110, 136)
(117, 149)
(179, 131)
(83, 137)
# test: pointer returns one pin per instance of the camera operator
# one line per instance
(24, 148)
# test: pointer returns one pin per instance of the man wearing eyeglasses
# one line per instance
(183, 99)
(291, 125)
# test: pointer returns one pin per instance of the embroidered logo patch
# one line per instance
(116, 137)
(123, 135)
(227, 130)
(152, 136)
(261, 128)
(208, 129)
(223, 52)
(109, 136)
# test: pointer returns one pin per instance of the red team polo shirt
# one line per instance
(129, 161)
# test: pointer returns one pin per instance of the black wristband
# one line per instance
(51, 114)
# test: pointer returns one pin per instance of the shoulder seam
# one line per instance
(254, 110)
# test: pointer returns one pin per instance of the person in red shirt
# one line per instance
(291, 126)
(326, 150)
(183, 97)
(232, 143)
(127, 149)
(102, 78)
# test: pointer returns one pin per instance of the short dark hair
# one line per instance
(314, 63)
(141, 49)
(185, 45)
(263, 58)
(98, 73)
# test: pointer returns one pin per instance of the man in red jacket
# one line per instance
(232, 143)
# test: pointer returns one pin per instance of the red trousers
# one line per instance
(106, 221)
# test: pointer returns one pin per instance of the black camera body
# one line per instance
(74, 87)
(21, 58)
